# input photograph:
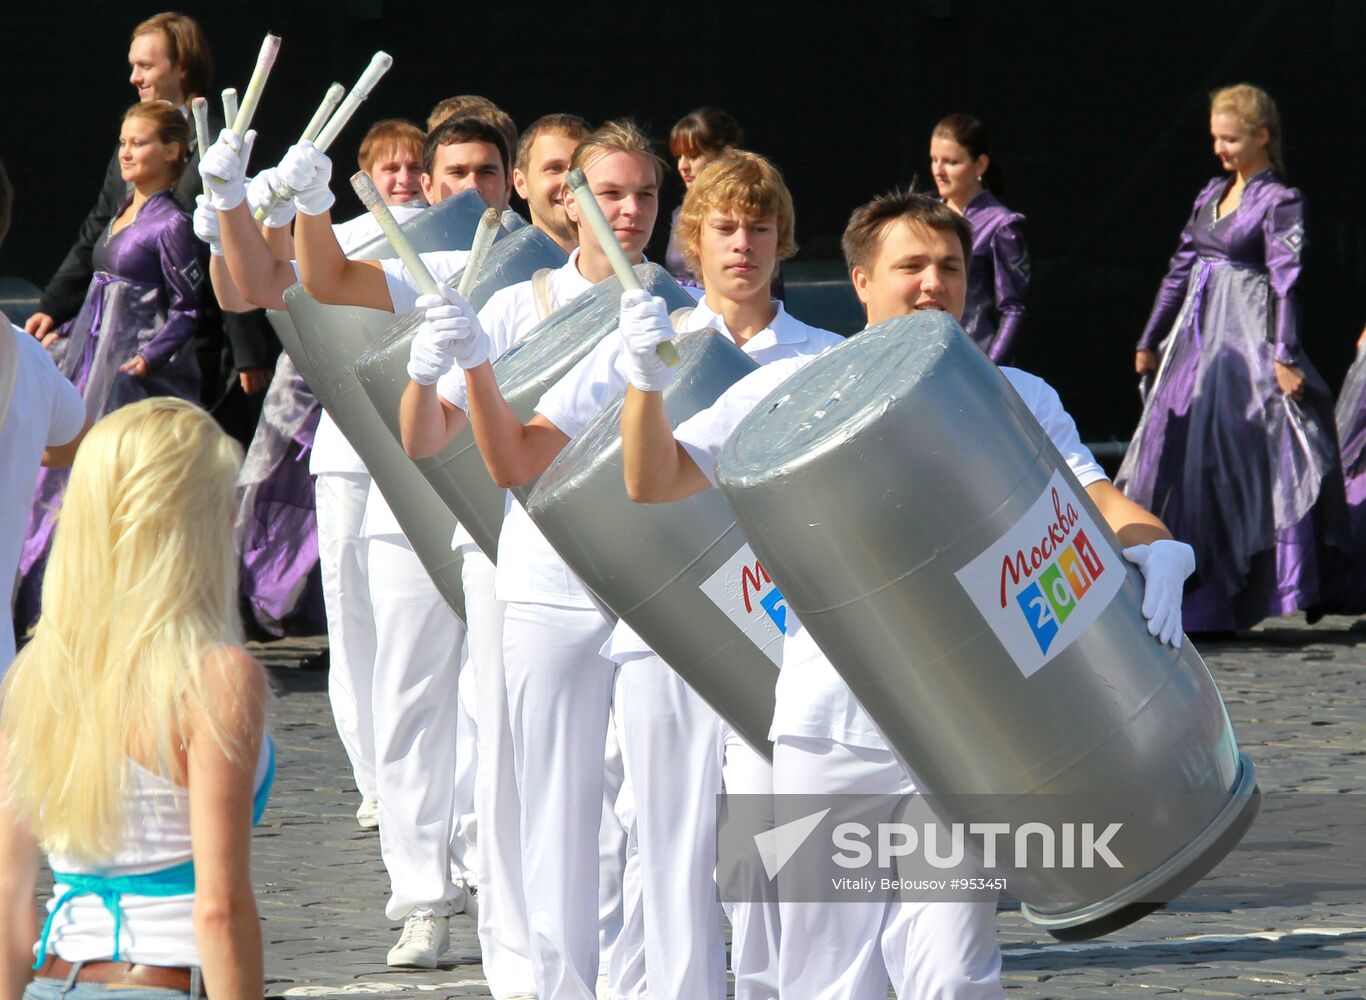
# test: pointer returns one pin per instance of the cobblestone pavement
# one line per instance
(1284, 915)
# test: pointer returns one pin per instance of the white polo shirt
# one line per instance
(45, 411)
(332, 453)
(812, 700)
(507, 317)
(572, 405)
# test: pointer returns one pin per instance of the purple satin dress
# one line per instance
(1344, 576)
(1233, 465)
(144, 300)
(998, 278)
(277, 527)
(673, 256)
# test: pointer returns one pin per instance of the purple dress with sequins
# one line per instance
(1235, 467)
(998, 278)
(144, 300)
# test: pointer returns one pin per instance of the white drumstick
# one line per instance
(229, 105)
(370, 197)
(270, 48)
(330, 101)
(199, 110)
(591, 212)
(379, 65)
(483, 241)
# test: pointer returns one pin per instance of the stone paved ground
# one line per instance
(1285, 915)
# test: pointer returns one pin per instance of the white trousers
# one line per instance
(503, 937)
(415, 694)
(621, 920)
(464, 819)
(342, 561)
(668, 730)
(559, 696)
(849, 951)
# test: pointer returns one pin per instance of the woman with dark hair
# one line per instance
(133, 336)
(695, 140)
(998, 278)
(1235, 449)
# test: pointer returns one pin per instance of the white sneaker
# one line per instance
(368, 813)
(424, 939)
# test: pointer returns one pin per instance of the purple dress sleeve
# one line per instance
(1284, 233)
(1172, 292)
(1010, 264)
(182, 280)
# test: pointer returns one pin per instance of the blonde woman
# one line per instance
(1235, 450)
(131, 730)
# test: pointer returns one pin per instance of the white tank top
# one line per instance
(153, 930)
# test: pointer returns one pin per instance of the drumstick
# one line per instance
(370, 197)
(591, 212)
(379, 65)
(229, 106)
(270, 48)
(330, 101)
(199, 110)
(483, 241)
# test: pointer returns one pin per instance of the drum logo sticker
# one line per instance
(1041, 584)
(747, 595)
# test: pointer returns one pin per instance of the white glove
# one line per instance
(1165, 565)
(308, 172)
(224, 170)
(262, 193)
(206, 225)
(450, 335)
(644, 326)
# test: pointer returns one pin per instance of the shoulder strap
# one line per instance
(679, 318)
(540, 287)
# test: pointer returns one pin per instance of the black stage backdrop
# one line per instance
(1097, 112)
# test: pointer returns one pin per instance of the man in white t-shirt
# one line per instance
(905, 252)
(42, 421)
(411, 697)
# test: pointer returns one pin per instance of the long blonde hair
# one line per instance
(1255, 109)
(140, 587)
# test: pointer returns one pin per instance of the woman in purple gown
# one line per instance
(133, 337)
(1235, 450)
(998, 277)
(695, 140)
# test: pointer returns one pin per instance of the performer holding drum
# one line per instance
(998, 279)
(905, 252)
(1235, 447)
(543, 155)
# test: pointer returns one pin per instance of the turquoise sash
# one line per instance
(178, 880)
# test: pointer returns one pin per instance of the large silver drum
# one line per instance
(383, 369)
(680, 574)
(524, 373)
(924, 528)
(325, 342)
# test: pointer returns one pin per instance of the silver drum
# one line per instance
(926, 531)
(661, 568)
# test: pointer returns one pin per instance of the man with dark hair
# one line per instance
(42, 420)
(539, 173)
(906, 252)
(466, 152)
(170, 61)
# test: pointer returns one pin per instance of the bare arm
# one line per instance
(60, 456)
(280, 241)
(1133, 524)
(18, 913)
(225, 290)
(428, 423)
(328, 275)
(514, 452)
(259, 276)
(226, 926)
(658, 470)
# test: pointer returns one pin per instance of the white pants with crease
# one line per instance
(419, 650)
(850, 951)
(668, 730)
(503, 938)
(621, 921)
(342, 561)
(559, 696)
